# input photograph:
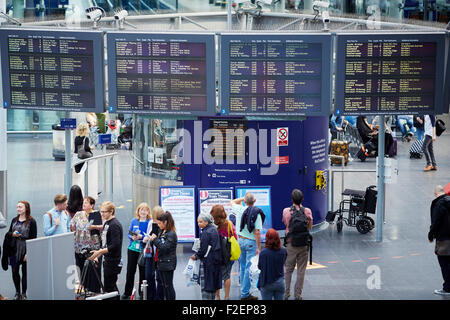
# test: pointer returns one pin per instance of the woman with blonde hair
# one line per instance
(154, 289)
(136, 234)
(82, 141)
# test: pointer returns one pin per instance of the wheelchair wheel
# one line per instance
(372, 222)
(363, 225)
(339, 224)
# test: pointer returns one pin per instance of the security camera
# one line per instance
(94, 15)
(121, 14)
(320, 5)
(325, 17)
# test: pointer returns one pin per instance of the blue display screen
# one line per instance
(390, 73)
(275, 74)
(52, 70)
(161, 73)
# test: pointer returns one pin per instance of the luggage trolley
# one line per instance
(358, 205)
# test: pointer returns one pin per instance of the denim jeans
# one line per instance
(248, 251)
(274, 290)
(428, 150)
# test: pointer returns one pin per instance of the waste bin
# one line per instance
(59, 142)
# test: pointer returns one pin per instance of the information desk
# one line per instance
(390, 73)
(52, 70)
(274, 74)
(155, 73)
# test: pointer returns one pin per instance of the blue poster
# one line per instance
(209, 197)
(180, 202)
(262, 196)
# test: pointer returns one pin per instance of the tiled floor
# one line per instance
(403, 266)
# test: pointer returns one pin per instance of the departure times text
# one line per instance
(389, 76)
(161, 76)
(52, 73)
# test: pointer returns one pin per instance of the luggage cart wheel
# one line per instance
(339, 225)
(363, 225)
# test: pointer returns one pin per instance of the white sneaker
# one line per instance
(442, 292)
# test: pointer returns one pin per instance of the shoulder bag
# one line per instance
(235, 248)
(82, 153)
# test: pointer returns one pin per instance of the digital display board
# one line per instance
(274, 74)
(154, 73)
(446, 108)
(52, 70)
(390, 73)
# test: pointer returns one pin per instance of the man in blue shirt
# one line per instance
(56, 220)
(249, 234)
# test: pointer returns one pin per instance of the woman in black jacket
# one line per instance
(166, 253)
(210, 254)
(82, 141)
(23, 227)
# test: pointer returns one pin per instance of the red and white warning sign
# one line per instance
(282, 136)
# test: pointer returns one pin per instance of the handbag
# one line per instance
(235, 248)
(141, 259)
(82, 153)
(442, 248)
(440, 127)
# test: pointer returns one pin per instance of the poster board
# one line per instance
(180, 202)
(209, 197)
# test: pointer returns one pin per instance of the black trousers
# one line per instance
(91, 282)
(132, 263)
(16, 277)
(444, 262)
(111, 272)
(166, 278)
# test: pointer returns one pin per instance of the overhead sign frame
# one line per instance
(52, 94)
(385, 37)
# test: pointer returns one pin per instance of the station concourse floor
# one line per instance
(404, 260)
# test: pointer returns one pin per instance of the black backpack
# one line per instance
(298, 228)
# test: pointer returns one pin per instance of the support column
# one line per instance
(380, 179)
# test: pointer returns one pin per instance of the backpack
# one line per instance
(298, 228)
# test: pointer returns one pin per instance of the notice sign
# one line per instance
(282, 136)
(262, 196)
(282, 160)
(208, 198)
(180, 202)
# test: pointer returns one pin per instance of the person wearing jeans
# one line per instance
(248, 225)
(430, 137)
(271, 263)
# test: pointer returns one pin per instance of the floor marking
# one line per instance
(314, 266)
(415, 254)
(397, 257)
(333, 261)
(120, 207)
(356, 260)
(374, 258)
(130, 200)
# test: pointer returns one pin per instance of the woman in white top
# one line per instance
(430, 137)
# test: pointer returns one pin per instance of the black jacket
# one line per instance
(11, 244)
(166, 245)
(213, 261)
(440, 219)
(8, 249)
(249, 217)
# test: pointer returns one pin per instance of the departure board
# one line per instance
(446, 108)
(390, 73)
(52, 70)
(275, 74)
(154, 73)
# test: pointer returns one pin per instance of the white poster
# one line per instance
(208, 198)
(180, 202)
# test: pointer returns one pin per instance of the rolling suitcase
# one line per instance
(339, 148)
(415, 151)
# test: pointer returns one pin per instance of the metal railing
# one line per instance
(106, 186)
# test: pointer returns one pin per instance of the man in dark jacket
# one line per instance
(440, 230)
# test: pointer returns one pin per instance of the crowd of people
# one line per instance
(152, 246)
(423, 126)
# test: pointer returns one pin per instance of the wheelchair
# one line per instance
(357, 205)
